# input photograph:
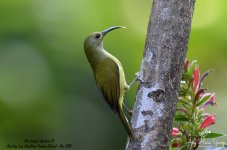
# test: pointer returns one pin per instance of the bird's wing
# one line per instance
(108, 81)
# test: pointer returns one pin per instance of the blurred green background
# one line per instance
(47, 88)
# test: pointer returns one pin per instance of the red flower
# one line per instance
(210, 101)
(209, 120)
(176, 132)
(196, 76)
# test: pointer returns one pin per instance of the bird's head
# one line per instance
(94, 40)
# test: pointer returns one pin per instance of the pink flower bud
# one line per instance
(209, 120)
(196, 76)
(176, 132)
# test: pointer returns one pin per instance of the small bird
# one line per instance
(109, 74)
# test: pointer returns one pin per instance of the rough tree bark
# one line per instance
(164, 54)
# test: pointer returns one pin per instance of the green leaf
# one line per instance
(171, 147)
(192, 68)
(213, 135)
(203, 100)
(183, 85)
(179, 118)
(183, 147)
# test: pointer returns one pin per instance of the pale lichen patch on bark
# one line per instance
(145, 107)
(165, 14)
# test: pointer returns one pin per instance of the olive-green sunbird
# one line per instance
(108, 73)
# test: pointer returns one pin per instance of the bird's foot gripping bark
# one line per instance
(137, 78)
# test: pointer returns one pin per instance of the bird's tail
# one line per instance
(125, 122)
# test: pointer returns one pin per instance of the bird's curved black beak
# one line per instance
(110, 29)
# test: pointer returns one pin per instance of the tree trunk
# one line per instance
(164, 54)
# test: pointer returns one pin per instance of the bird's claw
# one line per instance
(138, 78)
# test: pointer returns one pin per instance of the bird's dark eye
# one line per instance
(97, 36)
